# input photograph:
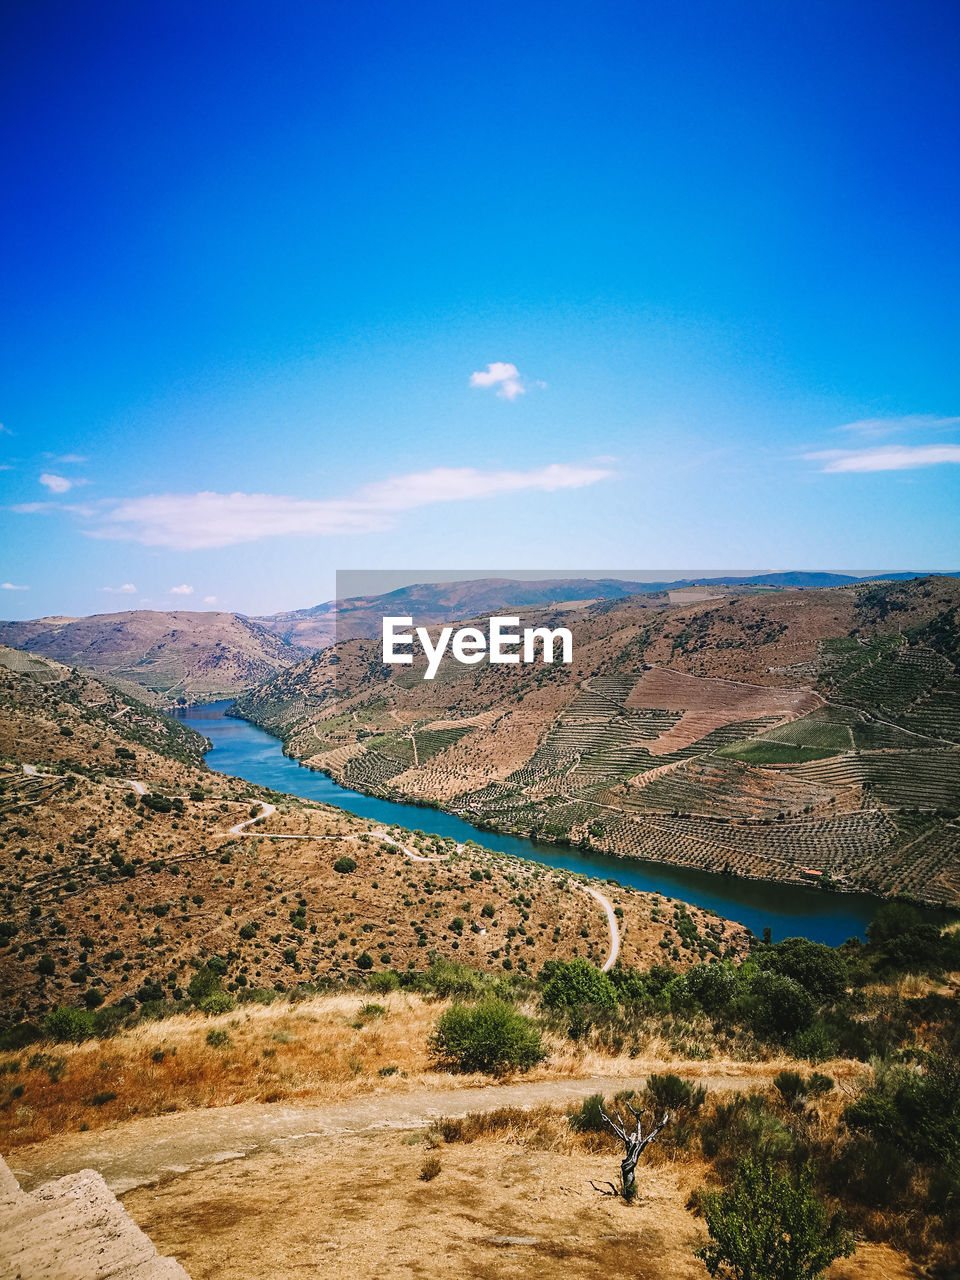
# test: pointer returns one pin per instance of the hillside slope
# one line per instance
(802, 735)
(322, 625)
(174, 655)
(127, 864)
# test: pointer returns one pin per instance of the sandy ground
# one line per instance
(354, 1206)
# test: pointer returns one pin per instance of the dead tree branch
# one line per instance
(635, 1142)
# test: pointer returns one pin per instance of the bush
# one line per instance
(380, 983)
(101, 1099)
(491, 1037)
(588, 1118)
(770, 1226)
(671, 1093)
(778, 1006)
(365, 960)
(819, 969)
(218, 1038)
(216, 1002)
(430, 1168)
(446, 978)
(344, 865)
(569, 984)
(159, 804)
(712, 986)
(790, 1086)
(67, 1023)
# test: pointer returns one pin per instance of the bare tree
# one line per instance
(635, 1142)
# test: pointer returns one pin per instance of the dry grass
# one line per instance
(319, 1049)
(325, 1048)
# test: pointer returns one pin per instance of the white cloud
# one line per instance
(209, 599)
(891, 457)
(193, 520)
(36, 508)
(11, 586)
(504, 377)
(56, 484)
(72, 457)
(182, 590)
(127, 589)
(879, 427)
(5, 431)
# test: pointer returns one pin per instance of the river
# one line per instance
(245, 751)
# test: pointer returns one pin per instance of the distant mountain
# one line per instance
(170, 655)
(360, 617)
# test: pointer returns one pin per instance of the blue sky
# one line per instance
(703, 257)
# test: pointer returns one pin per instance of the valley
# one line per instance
(805, 736)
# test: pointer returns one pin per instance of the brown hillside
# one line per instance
(174, 654)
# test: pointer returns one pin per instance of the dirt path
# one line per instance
(265, 811)
(607, 905)
(141, 1152)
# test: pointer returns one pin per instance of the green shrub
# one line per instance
(570, 984)
(670, 1092)
(587, 1118)
(68, 1023)
(101, 1099)
(778, 1006)
(446, 978)
(791, 1087)
(491, 1037)
(769, 1226)
(216, 1002)
(819, 969)
(344, 865)
(159, 804)
(381, 983)
(218, 1038)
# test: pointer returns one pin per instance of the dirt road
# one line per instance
(141, 1152)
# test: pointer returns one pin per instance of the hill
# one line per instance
(177, 655)
(127, 864)
(324, 624)
(806, 735)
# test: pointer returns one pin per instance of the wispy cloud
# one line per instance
(209, 599)
(38, 508)
(12, 586)
(890, 457)
(5, 431)
(182, 590)
(876, 428)
(71, 457)
(197, 520)
(505, 378)
(127, 589)
(56, 484)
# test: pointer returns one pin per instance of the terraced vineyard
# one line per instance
(811, 737)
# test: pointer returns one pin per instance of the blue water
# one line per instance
(247, 752)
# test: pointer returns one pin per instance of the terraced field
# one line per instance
(840, 731)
